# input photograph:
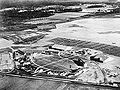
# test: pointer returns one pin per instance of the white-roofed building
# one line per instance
(60, 47)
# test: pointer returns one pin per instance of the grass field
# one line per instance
(15, 83)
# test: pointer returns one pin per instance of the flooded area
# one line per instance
(102, 30)
(96, 29)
